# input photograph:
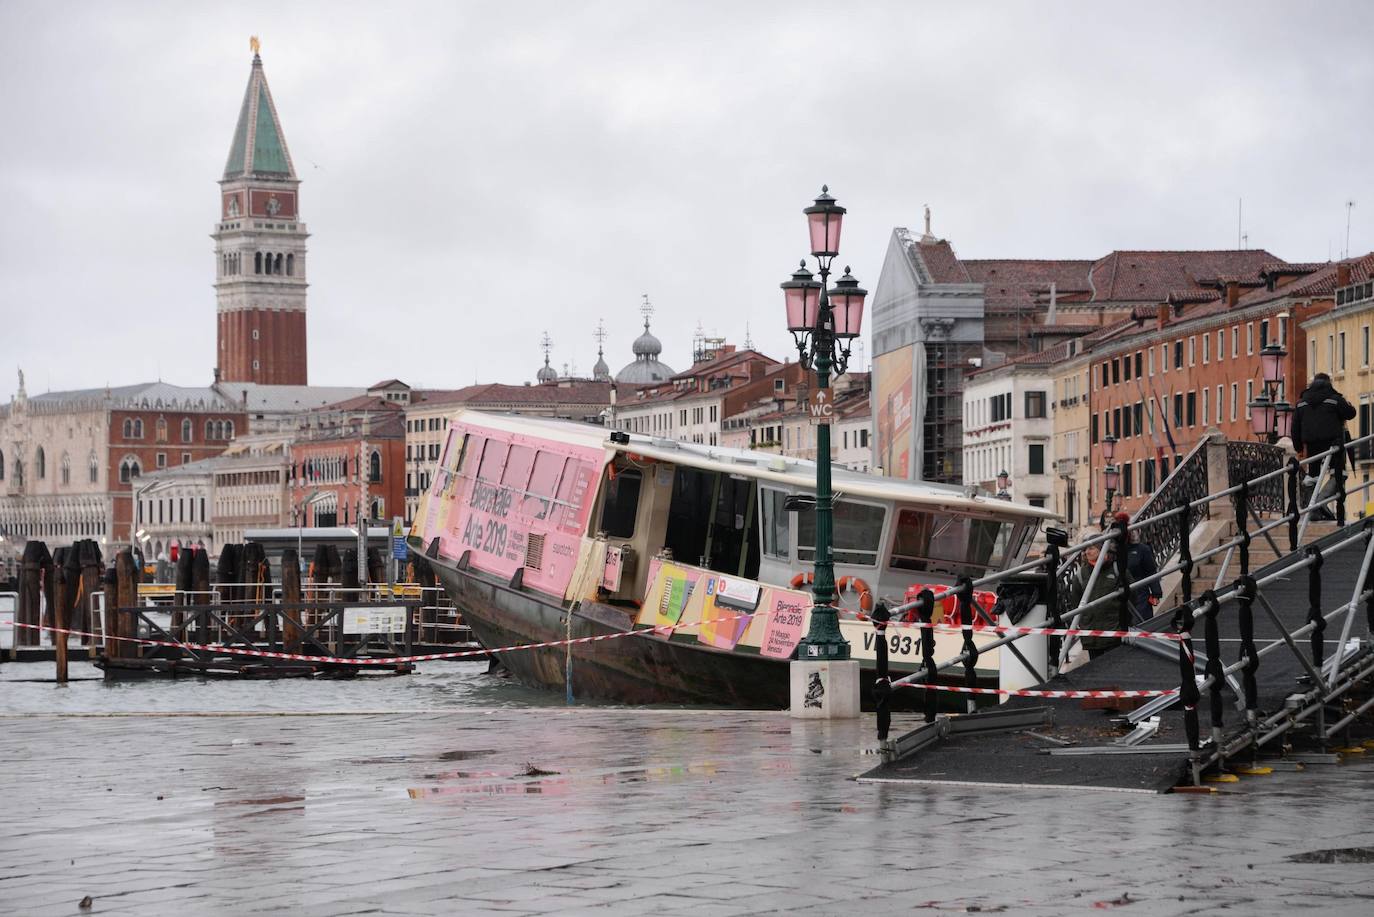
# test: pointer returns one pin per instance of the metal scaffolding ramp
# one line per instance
(1264, 660)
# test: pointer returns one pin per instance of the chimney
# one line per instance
(1232, 293)
(1342, 273)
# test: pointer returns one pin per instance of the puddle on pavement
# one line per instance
(265, 801)
(465, 754)
(1335, 855)
(557, 783)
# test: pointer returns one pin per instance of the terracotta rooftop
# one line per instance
(1119, 277)
(364, 403)
(499, 393)
(1017, 281)
(943, 264)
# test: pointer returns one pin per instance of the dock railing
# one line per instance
(1256, 487)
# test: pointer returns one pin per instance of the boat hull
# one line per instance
(628, 669)
(636, 669)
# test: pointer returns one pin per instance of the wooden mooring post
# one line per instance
(291, 595)
(35, 566)
(127, 574)
(92, 568)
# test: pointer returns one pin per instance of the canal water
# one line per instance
(28, 688)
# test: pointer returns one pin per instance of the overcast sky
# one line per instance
(476, 174)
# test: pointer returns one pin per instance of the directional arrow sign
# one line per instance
(821, 406)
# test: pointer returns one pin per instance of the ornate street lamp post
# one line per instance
(1110, 477)
(824, 323)
(1003, 483)
(1271, 418)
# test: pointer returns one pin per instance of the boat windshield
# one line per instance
(858, 533)
(942, 542)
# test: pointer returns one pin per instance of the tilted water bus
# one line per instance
(545, 531)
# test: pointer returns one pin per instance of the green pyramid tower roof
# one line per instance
(259, 149)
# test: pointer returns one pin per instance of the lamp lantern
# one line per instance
(847, 305)
(824, 219)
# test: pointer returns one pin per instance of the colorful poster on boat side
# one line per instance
(726, 610)
(782, 629)
(670, 588)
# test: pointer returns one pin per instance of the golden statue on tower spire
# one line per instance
(253, 44)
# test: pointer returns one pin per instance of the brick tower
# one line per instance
(260, 250)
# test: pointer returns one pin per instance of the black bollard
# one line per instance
(882, 684)
(1187, 689)
(1243, 526)
(1212, 631)
(1294, 475)
(970, 650)
(925, 610)
(1245, 601)
(1125, 613)
(1314, 606)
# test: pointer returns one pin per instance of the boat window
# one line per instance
(622, 504)
(472, 450)
(776, 524)
(543, 484)
(572, 490)
(938, 542)
(548, 467)
(858, 533)
(518, 464)
(493, 460)
(452, 460)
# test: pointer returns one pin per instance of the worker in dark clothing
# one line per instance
(1141, 563)
(1319, 419)
(1319, 423)
(1100, 617)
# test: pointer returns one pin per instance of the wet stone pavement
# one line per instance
(614, 811)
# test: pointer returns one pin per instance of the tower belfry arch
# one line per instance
(260, 279)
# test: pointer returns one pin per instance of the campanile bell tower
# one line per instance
(260, 250)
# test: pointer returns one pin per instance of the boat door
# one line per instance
(711, 522)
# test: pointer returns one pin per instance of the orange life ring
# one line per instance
(859, 588)
(803, 579)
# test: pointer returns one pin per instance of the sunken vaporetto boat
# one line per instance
(544, 530)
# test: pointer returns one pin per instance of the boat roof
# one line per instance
(781, 469)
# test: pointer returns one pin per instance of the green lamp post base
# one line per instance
(823, 640)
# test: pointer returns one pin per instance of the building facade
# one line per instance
(260, 272)
(71, 462)
(251, 488)
(1194, 367)
(174, 510)
(1009, 426)
(1338, 344)
(938, 317)
(348, 463)
(1073, 487)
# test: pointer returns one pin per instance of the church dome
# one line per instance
(601, 372)
(646, 368)
(646, 344)
(546, 373)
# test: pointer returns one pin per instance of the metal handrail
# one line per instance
(1071, 555)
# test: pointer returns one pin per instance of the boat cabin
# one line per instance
(518, 493)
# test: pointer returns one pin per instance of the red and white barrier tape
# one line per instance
(1013, 629)
(664, 630)
(1034, 692)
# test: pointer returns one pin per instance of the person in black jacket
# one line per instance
(1141, 564)
(1319, 422)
